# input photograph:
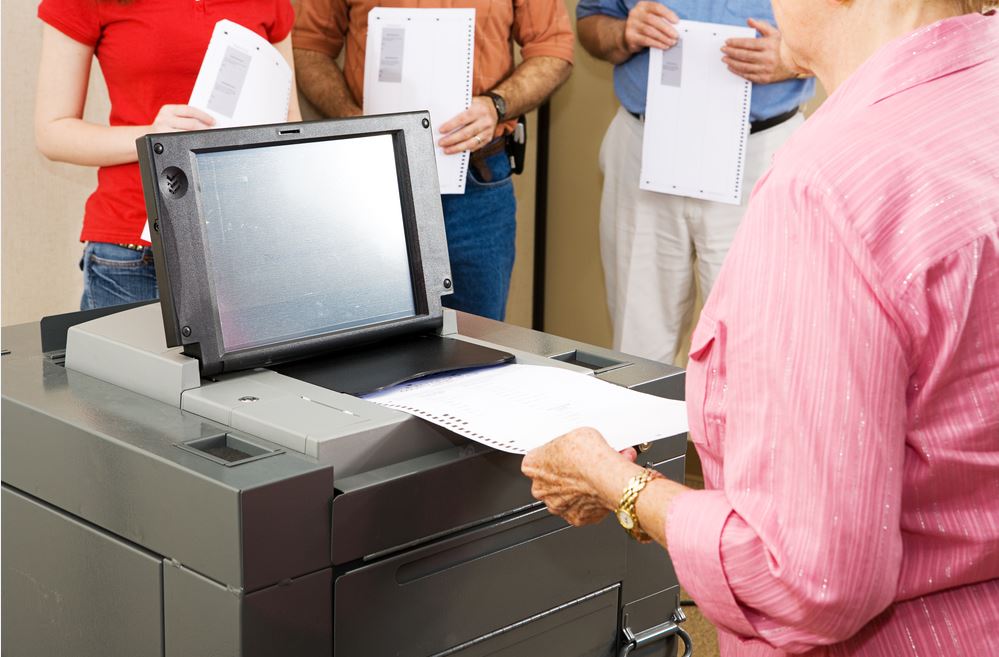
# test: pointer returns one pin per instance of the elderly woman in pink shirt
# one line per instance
(843, 385)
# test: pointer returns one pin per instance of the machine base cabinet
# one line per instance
(72, 589)
(126, 535)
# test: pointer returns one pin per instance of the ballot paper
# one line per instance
(515, 408)
(243, 79)
(421, 59)
(696, 117)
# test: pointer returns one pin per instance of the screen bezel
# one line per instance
(187, 294)
(415, 283)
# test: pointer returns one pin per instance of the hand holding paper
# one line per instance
(697, 117)
(757, 59)
(174, 118)
(515, 408)
(243, 79)
(471, 129)
(562, 473)
(650, 25)
(421, 59)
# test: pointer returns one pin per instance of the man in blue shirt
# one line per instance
(652, 244)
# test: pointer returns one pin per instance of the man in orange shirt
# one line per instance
(481, 223)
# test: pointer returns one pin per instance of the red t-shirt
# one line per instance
(150, 52)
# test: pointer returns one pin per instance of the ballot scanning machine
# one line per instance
(201, 477)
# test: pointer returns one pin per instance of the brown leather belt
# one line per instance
(479, 157)
(133, 247)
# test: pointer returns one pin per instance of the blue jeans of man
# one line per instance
(113, 275)
(481, 227)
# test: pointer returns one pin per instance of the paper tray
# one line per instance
(372, 368)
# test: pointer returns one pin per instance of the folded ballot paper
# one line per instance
(515, 408)
(243, 79)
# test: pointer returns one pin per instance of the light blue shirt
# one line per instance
(631, 77)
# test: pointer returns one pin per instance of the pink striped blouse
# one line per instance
(843, 386)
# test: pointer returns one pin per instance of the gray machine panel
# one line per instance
(534, 552)
(111, 457)
(579, 628)
(248, 547)
(205, 619)
(477, 482)
(72, 589)
(650, 557)
(644, 375)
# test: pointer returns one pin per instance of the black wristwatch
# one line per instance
(499, 103)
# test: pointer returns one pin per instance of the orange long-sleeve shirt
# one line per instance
(540, 27)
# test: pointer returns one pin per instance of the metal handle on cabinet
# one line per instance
(665, 630)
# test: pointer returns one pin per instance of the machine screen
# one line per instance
(304, 239)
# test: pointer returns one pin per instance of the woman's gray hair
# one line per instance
(973, 6)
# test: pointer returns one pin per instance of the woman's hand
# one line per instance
(565, 473)
(175, 118)
(758, 60)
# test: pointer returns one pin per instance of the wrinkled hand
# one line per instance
(649, 25)
(175, 118)
(759, 59)
(479, 120)
(559, 472)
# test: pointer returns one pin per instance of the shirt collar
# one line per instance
(931, 52)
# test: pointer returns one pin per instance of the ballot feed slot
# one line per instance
(227, 449)
(589, 361)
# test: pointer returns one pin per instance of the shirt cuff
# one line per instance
(694, 526)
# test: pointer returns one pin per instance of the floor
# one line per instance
(701, 631)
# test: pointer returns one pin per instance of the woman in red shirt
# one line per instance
(150, 52)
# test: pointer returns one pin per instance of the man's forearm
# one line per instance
(603, 37)
(532, 83)
(323, 83)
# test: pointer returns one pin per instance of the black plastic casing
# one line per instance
(187, 298)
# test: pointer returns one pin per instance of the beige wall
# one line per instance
(575, 301)
(42, 202)
(518, 307)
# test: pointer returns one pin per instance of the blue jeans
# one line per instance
(113, 275)
(481, 227)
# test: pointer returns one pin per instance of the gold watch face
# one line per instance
(624, 518)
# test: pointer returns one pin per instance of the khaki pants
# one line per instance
(652, 243)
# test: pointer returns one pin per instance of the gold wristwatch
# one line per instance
(626, 514)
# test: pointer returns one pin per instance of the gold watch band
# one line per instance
(626, 513)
